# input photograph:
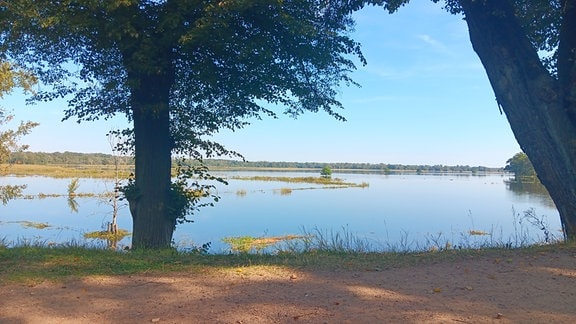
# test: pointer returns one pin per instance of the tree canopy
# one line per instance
(180, 71)
(521, 166)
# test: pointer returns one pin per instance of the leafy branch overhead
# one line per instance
(181, 71)
(13, 77)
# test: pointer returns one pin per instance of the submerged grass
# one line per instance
(106, 235)
(246, 244)
(29, 224)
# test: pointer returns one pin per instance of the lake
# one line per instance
(395, 212)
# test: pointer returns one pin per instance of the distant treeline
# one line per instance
(72, 158)
(383, 167)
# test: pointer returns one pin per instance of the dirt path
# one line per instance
(537, 288)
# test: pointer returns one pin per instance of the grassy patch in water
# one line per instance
(285, 191)
(105, 235)
(315, 180)
(477, 233)
(29, 224)
(247, 244)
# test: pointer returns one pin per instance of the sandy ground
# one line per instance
(537, 288)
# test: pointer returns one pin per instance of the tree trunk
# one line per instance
(152, 225)
(537, 109)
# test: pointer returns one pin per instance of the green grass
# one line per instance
(36, 263)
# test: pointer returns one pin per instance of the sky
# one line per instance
(424, 99)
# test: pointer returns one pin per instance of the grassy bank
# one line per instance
(68, 171)
(33, 263)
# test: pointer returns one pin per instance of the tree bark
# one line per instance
(534, 103)
(152, 224)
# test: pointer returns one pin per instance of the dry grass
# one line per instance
(69, 171)
(315, 180)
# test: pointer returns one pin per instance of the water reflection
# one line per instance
(8, 193)
(531, 188)
(393, 209)
(72, 204)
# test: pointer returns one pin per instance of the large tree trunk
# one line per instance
(538, 110)
(149, 203)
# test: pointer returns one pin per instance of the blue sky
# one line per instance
(424, 99)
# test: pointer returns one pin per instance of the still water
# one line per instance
(405, 211)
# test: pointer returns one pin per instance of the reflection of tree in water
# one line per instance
(532, 188)
(72, 204)
(8, 193)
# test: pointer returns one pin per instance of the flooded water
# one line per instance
(395, 211)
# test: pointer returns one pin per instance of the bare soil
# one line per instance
(537, 287)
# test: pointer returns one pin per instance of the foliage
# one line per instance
(9, 139)
(521, 166)
(295, 53)
(181, 71)
(13, 77)
(9, 192)
(10, 78)
(326, 172)
(193, 182)
(186, 192)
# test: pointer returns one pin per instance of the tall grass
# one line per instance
(342, 241)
